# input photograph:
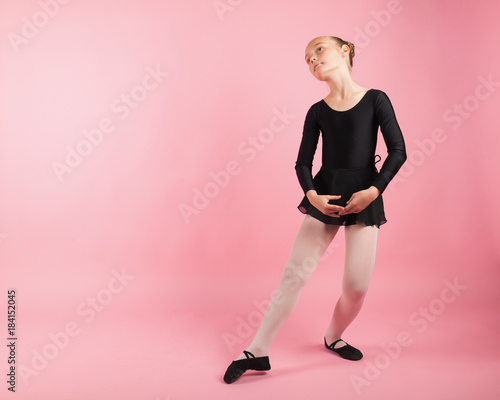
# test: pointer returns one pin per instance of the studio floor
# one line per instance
(175, 342)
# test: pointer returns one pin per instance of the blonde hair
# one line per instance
(341, 42)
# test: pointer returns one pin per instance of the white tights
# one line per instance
(311, 242)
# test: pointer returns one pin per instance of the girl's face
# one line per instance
(323, 56)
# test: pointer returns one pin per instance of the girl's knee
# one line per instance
(301, 267)
(296, 276)
(292, 281)
(355, 294)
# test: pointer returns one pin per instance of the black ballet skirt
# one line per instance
(345, 182)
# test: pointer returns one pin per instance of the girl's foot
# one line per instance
(344, 350)
(240, 366)
(257, 352)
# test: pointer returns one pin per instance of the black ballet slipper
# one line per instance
(238, 367)
(348, 352)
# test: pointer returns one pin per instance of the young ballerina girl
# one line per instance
(347, 191)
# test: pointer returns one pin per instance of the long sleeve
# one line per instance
(394, 141)
(308, 145)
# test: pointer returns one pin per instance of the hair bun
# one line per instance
(341, 42)
(351, 47)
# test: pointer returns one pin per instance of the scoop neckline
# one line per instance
(354, 106)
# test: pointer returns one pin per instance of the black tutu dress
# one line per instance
(348, 155)
(345, 182)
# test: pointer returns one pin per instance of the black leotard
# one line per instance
(349, 142)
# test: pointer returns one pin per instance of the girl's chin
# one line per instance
(320, 77)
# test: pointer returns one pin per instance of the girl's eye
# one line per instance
(309, 60)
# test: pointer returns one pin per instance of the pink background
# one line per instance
(192, 288)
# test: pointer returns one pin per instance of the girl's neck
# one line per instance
(342, 87)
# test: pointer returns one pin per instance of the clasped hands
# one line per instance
(358, 202)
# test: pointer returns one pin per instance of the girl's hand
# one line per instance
(320, 201)
(360, 200)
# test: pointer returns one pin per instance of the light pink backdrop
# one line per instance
(121, 295)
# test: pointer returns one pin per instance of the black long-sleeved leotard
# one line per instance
(350, 138)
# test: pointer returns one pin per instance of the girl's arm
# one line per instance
(308, 145)
(303, 167)
(393, 137)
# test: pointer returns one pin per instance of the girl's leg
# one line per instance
(310, 243)
(361, 243)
